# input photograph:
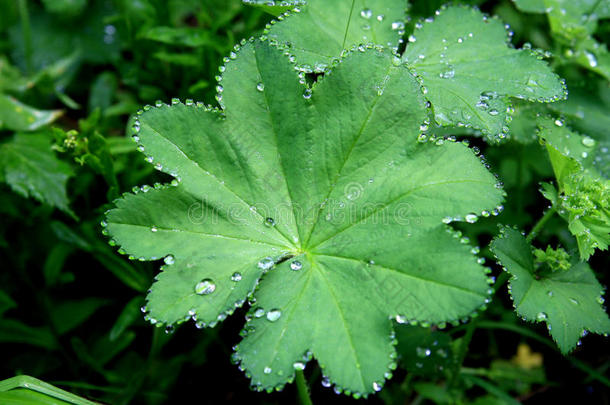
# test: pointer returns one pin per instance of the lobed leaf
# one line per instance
(317, 33)
(569, 301)
(469, 70)
(330, 190)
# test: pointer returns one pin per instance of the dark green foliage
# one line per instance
(73, 312)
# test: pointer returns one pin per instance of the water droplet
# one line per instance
(266, 263)
(401, 319)
(153, 229)
(267, 370)
(307, 94)
(269, 222)
(588, 142)
(541, 316)
(325, 382)
(448, 73)
(591, 59)
(549, 293)
(574, 301)
(169, 259)
(205, 287)
(398, 25)
(298, 365)
(422, 352)
(380, 17)
(259, 313)
(493, 112)
(377, 387)
(366, 13)
(471, 218)
(274, 315)
(260, 86)
(559, 123)
(236, 277)
(296, 265)
(412, 38)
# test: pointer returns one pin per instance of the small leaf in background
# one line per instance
(16, 116)
(185, 36)
(584, 195)
(568, 301)
(65, 8)
(277, 193)
(126, 318)
(6, 303)
(30, 168)
(339, 25)
(67, 315)
(469, 71)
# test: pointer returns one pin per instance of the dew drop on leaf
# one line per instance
(296, 265)
(169, 259)
(366, 13)
(299, 366)
(236, 277)
(471, 218)
(205, 287)
(274, 315)
(260, 86)
(266, 263)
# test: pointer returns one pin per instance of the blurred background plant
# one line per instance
(71, 74)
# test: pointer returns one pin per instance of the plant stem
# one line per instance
(461, 355)
(27, 34)
(547, 215)
(302, 388)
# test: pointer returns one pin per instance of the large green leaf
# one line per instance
(568, 301)
(30, 168)
(317, 34)
(469, 70)
(331, 190)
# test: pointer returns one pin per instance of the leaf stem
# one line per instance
(541, 222)
(302, 388)
(461, 355)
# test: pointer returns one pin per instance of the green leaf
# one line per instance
(30, 168)
(319, 32)
(330, 189)
(65, 8)
(185, 36)
(469, 71)
(26, 390)
(69, 314)
(275, 7)
(424, 352)
(568, 301)
(13, 331)
(16, 116)
(531, 6)
(584, 200)
(6, 302)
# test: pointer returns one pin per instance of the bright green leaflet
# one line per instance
(318, 33)
(469, 71)
(570, 18)
(30, 168)
(585, 200)
(274, 7)
(16, 116)
(568, 301)
(26, 390)
(333, 188)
